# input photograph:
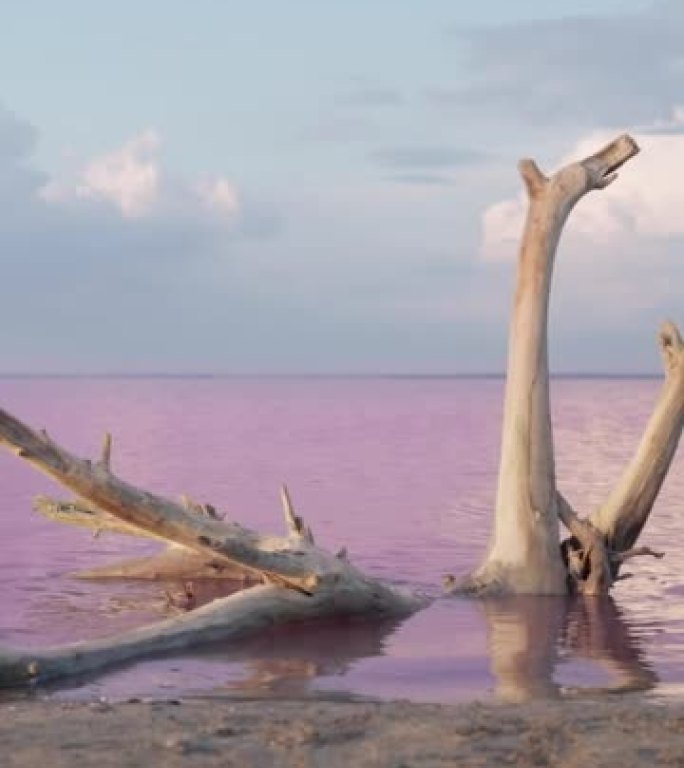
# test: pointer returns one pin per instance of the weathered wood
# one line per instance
(230, 618)
(162, 517)
(523, 555)
(173, 563)
(622, 517)
(302, 580)
(83, 515)
(601, 543)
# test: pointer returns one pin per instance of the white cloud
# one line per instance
(646, 202)
(127, 178)
(131, 179)
(219, 195)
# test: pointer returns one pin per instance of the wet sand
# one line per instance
(625, 731)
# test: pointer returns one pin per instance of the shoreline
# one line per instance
(629, 730)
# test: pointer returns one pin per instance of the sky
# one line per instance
(238, 187)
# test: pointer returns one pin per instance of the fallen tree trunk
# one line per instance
(302, 580)
(228, 618)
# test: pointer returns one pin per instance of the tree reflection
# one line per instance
(290, 658)
(528, 635)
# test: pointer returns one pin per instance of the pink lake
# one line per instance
(401, 472)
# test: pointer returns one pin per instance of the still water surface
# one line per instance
(401, 472)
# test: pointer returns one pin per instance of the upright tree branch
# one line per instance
(523, 554)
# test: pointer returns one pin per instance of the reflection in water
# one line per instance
(284, 661)
(527, 635)
(530, 638)
(596, 629)
(290, 658)
(523, 634)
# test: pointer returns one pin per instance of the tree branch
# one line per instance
(157, 515)
(523, 554)
(625, 512)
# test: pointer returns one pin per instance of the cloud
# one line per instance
(673, 125)
(127, 178)
(646, 203)
(219, 194)
(201, 275)
(426, 157)
(121, 262)
(620, 267)
(620, 69)
(131, 180)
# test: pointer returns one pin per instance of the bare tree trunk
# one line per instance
(523, 556)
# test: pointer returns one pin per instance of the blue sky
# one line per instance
(327, 186)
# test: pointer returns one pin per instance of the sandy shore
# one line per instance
(629, 731)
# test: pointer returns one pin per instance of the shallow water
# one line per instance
(401, 472)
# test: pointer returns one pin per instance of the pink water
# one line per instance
(401, 472)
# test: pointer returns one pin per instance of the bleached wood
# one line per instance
(295, 524)
(106, 453)
(173, 563)
(163, 517)
(230, 618)
(625, 512)
(82, 515)
(523, 555)
(302, 580)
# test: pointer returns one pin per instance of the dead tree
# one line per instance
(297, 579)
(524, 556)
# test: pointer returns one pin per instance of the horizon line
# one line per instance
(309, 375)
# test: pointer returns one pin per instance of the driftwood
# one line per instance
(298, 580)
(301, 580)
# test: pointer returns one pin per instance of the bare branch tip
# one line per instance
(603, 164)
(106, 452)
(534, 179)
(671, 345)
(669, 334)
(294, 523)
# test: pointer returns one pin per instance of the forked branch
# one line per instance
(159, 516)
(523, 556)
